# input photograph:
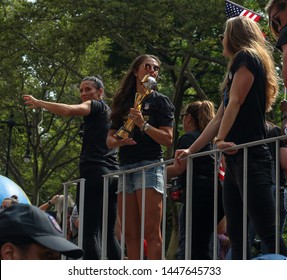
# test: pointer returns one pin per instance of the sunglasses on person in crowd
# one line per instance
(181, 116)
(275, 20)
(149, 67)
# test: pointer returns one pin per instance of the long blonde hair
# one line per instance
(59, 207)
(244, 34)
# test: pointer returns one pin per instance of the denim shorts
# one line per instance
(153, 177)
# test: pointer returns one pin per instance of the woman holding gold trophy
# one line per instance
(142, 121)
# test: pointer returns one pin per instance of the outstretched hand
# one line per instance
(125, 141)
(30, 101)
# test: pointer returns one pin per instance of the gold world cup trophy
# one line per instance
(149, 84)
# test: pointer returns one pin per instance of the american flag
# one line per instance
(221, 172)
(234, 10)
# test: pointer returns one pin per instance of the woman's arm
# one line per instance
(59, 109)
(49, 203)
(162, 135)
(175, 170)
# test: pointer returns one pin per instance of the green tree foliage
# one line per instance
(48, 46)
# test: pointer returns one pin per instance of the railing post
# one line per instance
(81, 212)
(105, 218)
(277, 200)
(143, 214)
(215, 204)
(188, 212)
(164, 206)
(65, 210)
(123, 239)
(245, 166)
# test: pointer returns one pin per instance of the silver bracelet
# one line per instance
(145, 126)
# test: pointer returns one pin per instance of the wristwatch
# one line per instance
(285, 130)
(145, 126)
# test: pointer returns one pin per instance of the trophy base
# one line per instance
(123, 133)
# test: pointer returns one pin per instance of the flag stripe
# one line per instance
(221, 172)
(234, 10)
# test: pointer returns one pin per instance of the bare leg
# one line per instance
(153, 217)
(132, 225)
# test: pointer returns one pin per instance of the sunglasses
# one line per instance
(149, 67)
(221, 37)
(275, 21)
(183, 115)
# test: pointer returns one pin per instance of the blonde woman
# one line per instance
(249, 90)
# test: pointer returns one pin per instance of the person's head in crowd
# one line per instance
(92, 88)
(243, 34)
(15, 197)
(28, 233)
(197, 115)
(277, 14)
(141, 66)
(9, 201)
(59, 208)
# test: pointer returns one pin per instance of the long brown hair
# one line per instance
(125, 95)
(244, 34)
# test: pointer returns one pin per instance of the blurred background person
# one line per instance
(9, 201)
(28, 233)
(45, 206)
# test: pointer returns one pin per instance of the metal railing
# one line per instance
(188, 248)
(66, 185)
